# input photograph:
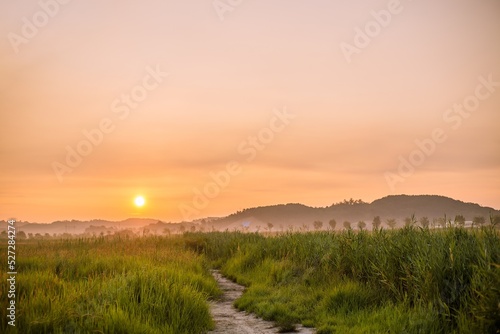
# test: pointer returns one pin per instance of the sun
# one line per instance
(139, 201)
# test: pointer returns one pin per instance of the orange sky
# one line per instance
(178, 94)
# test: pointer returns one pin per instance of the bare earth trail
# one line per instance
(228, 320)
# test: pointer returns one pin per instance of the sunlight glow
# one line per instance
(139, 201)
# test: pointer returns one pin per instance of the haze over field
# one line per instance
(423, 211)
(205, 110)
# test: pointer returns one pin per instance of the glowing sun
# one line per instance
(139, 201)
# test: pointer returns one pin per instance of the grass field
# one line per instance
(149, 285)
(401, 281)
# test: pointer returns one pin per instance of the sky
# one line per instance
(208, 107)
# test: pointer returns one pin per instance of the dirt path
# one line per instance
(228, 320)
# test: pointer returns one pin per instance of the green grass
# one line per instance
(151, 285)
(402, 281)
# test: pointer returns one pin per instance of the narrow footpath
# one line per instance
(228, 320)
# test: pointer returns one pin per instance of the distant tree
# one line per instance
(361, 225)
(460, 220)
(376, 222)
(391, 222)
(30, 235)
(270, 227)
(347, 225)
(166, 231)
(356, 201)
(410, 221)
(478, 220)
(47, 236)
(495, 220)
(21, 235)
(182, 228)
(333, 224)
(424, 222)
(441, 221)
(318, 225)
(351, 201)
(193, 228)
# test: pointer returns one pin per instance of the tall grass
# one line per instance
(151, 285)
(403, 281)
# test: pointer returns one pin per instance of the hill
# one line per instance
(396, 207)
(80, 227)
(277, 217)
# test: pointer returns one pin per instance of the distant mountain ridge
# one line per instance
(390, 207)
(78, 226)
(282, 216)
